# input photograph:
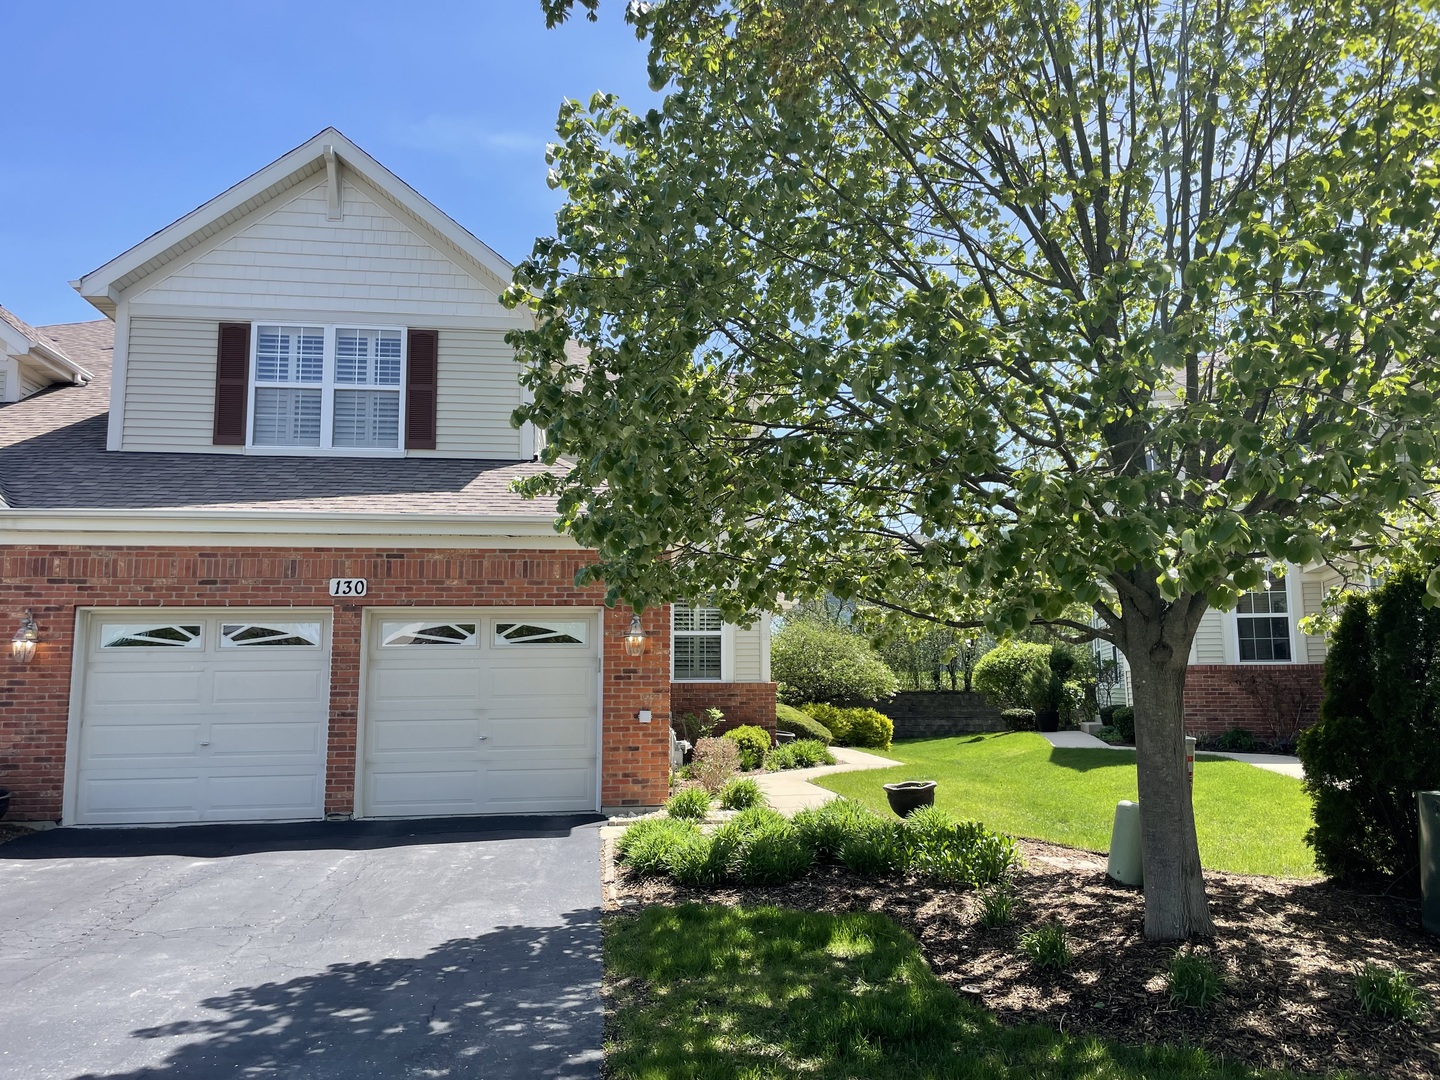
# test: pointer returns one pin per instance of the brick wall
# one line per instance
(54, 582)
(742, 703)
(1272, 701)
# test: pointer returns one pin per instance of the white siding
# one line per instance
(290, 257)
(170, 386)
(478, 389)
(747, 654)
(1209, 645)
(32, 381)
(1313, 592)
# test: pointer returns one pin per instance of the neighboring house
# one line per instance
(1252, 667)
(261, 515)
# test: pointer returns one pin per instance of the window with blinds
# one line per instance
(697, 642)
(327, 387)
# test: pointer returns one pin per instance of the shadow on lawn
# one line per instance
(518, 1001)
(1080, 759)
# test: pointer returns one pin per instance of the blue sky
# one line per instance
(116, 126)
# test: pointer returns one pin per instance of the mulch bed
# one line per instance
(1289, 950)
(11, 832)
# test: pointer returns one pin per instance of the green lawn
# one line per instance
(1250, 821)
(703, 991)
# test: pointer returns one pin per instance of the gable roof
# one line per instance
(103, 285)
(19, 338)
(53, 457)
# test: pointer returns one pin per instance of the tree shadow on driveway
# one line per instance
(517, 1001)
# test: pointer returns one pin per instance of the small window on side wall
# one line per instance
(697, 642)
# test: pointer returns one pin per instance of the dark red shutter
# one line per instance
(232, 383)
(421, 380)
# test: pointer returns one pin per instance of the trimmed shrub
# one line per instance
(860, 727)
(1107, 714)
(754, 743)
(801, 754)
(1236, 740)
(801, 725)
(741, 794)
(1014, 675)
(1388, 994)
(715, 762)
(1124, 721)
(698, 861)
(1378, 738)
(1018, 719)
(953, 852)
(1193, 980)
(823, 828)
(814, 661)
(646, 846)
(689, 803)
(1047, 947)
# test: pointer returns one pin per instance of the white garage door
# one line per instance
(481, 712)
(195, 716)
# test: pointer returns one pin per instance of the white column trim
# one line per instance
(766, 618)
(115, 430)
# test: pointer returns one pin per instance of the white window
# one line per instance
(1262, 623)
(549, 632)
(401, 634)
(246, 635)
(149, 635)
(327, 387)
(697, 642)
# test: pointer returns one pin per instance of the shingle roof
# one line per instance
(53, 456)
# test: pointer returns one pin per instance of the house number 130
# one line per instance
(347, 586)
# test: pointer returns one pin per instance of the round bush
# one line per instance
(1014, 675)
(689, 804)
(741, 794)
(814, 661)
(833, 718)
(802, 725)
(869, 728)
(753, 741)
(1018, 719)
(1124, 721)
(646, 847)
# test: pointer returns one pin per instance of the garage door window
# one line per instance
(394, 634)
(556, 632)
(244, 635)
(149, 635)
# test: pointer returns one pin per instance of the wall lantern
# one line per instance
(635, 637)
(22, 645)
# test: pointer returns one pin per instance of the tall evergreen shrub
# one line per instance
(1378, 738)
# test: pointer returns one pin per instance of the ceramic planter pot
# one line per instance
(1047, 720)
(909, 795)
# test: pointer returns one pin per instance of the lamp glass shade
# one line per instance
(22, 645)
(635, 637)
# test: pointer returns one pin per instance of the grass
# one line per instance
(1250, 821)
(704, 992)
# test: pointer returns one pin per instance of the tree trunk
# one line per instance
(1175, 903)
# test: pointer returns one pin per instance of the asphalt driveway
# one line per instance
(347, 950)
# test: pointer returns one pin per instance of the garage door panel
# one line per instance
(279, 737)
(521, 790)
(542, 734)
(428, 684)
(106, 686)
(218, 734)
(134, 742)
(141, 795)
(425, 735)
(255, 795)
(412, 792)
(269, 686)
(575, 682)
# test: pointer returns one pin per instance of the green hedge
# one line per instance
(860, 727)
(801, 725)
(754, 743)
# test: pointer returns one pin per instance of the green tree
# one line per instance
(978, 310)
(817, 661)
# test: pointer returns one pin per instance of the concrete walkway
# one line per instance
(791, 790)
(1277, 763)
